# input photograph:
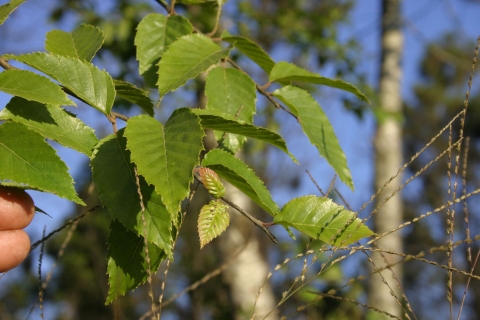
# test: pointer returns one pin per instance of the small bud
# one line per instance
(211, 181)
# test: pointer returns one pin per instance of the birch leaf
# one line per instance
(241, 176)
(52, 122)
(29, 161)
(321, 218)
(82, 43)
(166, 154)
(318, 129)
(85, 80)
(127, 267)
(185, 59)
(33, 87)
(285, 71)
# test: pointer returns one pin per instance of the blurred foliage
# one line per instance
(444, 70)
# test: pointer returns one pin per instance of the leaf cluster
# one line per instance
(144, 171)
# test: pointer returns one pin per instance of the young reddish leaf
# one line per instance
(211, 182)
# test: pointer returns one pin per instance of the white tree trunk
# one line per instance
(249, 270)
(388, 159)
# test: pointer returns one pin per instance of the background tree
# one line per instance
(388, 160)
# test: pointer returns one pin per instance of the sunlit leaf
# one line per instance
(284, 71)
(241, 176)
(135, 95)
(215, 120)
(155, 33)
(33, 87)
(114, 176)
(316, 126)
(28, 160)
(185, 59)
(232, 92)
(82, 43)
(8, 8)
(251, 50)
(51, 122)
(321, 218)
(127, 265)
(89, 83)
(166, 154)
(213, 220)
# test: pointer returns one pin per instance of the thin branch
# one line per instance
(257, 222)
(119, 116)
(163, 4)
(5, 65)
(40, 289)
(217, 22)
(172, 7)
(36, 244)
(263, 92)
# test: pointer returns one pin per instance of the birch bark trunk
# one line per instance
(388, 159)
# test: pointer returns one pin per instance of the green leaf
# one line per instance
(185, 59)
(27, 159)
(92, 85)
(251, 50)
(233, 92)
(284, 71)
(51, 122)
(166, 155)
(8, 8)
(127, 265)
(316, 126)
(155, 33)
(215, 120)
(213, 220)
(241, 176)
(114, 176)
(82, 43)
(135, 95)
(321, 218)
(33, 87)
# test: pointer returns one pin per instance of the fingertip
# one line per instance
(16, 208)
(14, 248)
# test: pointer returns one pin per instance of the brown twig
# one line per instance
(36, 244)
(5, 65)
